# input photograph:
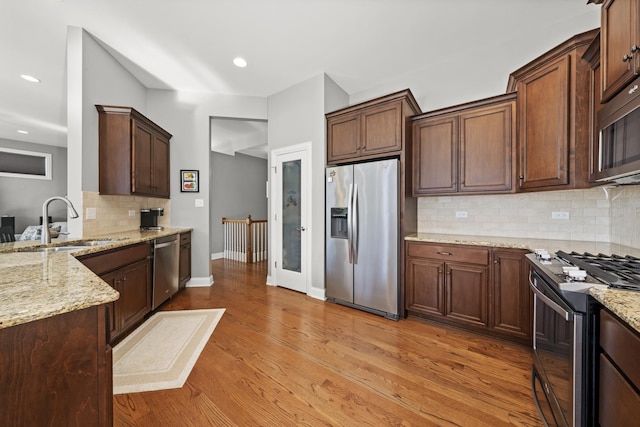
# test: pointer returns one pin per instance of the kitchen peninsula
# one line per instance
(55, 353)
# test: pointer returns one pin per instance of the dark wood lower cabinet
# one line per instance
(511, 302)
(476, 288)
(619, 373)
(57, 371)
(184, 270)
(128, 271)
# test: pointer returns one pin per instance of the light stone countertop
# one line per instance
(625, 304)
(37, 285)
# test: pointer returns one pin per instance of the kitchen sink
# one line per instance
(73, 246)
(56, 249)
(93, 242)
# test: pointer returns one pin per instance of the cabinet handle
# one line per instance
(444, 253)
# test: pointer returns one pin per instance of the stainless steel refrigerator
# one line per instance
(362, 236)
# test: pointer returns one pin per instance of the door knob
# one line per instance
(300, 229)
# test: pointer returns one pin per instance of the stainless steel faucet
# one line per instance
(46, 234)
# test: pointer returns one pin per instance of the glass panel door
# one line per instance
(291, 216)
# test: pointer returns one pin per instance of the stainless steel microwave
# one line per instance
(619, 139)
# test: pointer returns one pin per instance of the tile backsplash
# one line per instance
(592, 216)
(112, 213)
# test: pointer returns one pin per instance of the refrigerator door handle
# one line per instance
(349, 225)
(354, 222)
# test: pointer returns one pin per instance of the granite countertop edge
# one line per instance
(624, 304)
(37, 285)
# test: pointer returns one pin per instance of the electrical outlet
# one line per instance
(559, 215)
(461, 214)
(90, 213)
(132, 212)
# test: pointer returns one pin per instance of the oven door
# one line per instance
(557, 341)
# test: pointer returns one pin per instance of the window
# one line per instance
(24, 164)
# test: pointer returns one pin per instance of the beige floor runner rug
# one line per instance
(162, 351)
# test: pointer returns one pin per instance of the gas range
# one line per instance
(572, 274)
(615, 271)
(574, 270)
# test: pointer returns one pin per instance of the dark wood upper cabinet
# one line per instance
(134, 154)
(370, 130)
(620, 45)
(553, 117)
(592, 56)
(468, 148)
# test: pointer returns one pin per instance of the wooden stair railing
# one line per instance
(245, 240)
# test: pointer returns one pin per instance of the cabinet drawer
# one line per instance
(621, 344)
(104, 262)
(449, 253)
(185, 238)
(619, 403)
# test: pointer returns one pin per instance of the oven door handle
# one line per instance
(568, 315)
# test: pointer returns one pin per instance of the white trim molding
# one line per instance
(200, 282)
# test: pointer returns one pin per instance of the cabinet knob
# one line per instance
(521, 177)
(634, 48)
(496, 261)
(626, 58)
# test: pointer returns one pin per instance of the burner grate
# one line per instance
(615, 270)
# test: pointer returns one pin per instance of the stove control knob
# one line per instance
(578, 275)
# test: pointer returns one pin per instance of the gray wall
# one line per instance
(238, 189)
(23, 197)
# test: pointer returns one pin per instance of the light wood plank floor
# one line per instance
(280, 358)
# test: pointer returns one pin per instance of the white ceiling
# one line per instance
(444, 51)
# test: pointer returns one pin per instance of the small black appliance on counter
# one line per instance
(149, 218)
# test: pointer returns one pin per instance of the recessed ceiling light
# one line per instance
(24, 132)
(240, 62)
(29, 78)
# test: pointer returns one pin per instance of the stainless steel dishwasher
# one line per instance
(166, 254)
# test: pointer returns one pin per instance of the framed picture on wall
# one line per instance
(189, 181)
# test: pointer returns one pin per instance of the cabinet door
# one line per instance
(510, 299)
(425, 287)
(466, 293)
(184, 270)
(620, 33)
(487, 138)
(435, 148)
(141, 174)
(114, 312)
(543, 108)
(160, 166)
(382, 129)
(618, 401)
(343, 137)
(136, 292)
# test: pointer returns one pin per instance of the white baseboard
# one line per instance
(317, 293)
(218, 255)
(270, 281)
(200, 282)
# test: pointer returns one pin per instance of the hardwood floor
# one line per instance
(280, 358)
